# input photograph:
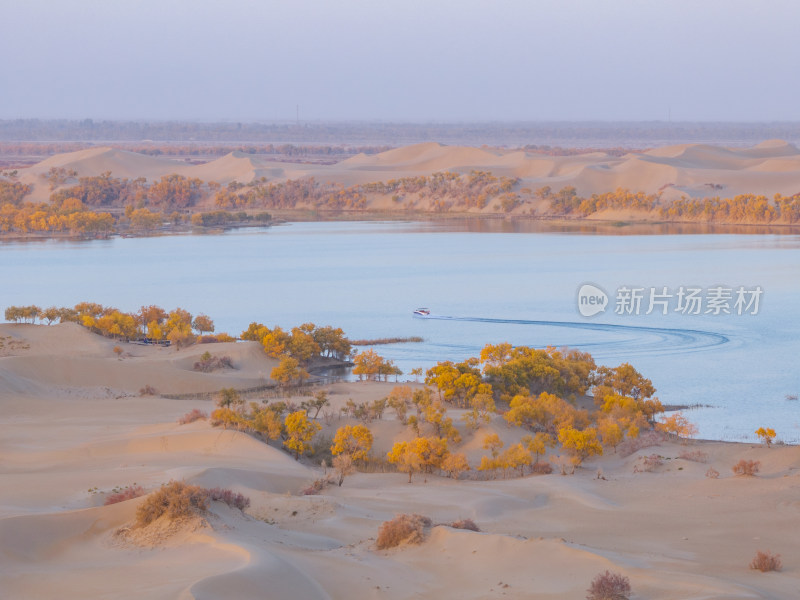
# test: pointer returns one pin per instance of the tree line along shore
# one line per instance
(559, 398)
(103, 204)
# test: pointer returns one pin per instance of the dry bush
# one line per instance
(147, 390)
(712, 473)
(229, 497)
(694, 455)
(649, 464)
(316, 487)
(208, 363)
(468, 524)
(542, 468)
(194, 415)
(408, 529)
(765, 561)
(175, 500)
(128, 493)
(644, 440)
(609, 586)
(746, 467)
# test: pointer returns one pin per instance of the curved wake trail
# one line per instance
(642, 339)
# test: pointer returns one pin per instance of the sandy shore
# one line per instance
(74, 426)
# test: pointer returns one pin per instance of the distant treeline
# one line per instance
(73, 217)
(744, 208)
(445, 191)
(140, 205)
(507, 134)
(43, 149)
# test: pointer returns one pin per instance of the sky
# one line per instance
(408, 60)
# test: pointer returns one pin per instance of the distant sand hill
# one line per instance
(692, 170)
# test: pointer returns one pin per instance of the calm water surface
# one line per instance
(506, 285)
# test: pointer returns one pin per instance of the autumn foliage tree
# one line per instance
(580, 443)
(419, 455)
(677, 426)
(766, 435)
(353, 440)
(299, 432)
(288, 372)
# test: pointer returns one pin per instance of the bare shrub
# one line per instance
(609, 586)
(746, 467)
(127, 493)
(644, 440)
(208, 363)
(649, 464)
(193, 415)
(542, 468)
(409, 529)
(343, 463)
(765, 561)
(175, 500)
(712, 473)
(147, 390)
(694, 455)
(229, 497)
(315, 488)
(468, 524)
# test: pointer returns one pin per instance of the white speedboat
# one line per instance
(422, 312)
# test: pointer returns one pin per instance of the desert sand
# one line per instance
(691, 170)
(74, 426)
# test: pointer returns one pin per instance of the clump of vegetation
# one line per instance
(542, 468)
(147, 390)
(229, 497)
(176, 500)
(193, 415)
(127, 493)
(208, 363)
(467, 524)
(609, 586)
(765, 562)
(649, 464)
(694, 455)
(389, 340)
(316, 487)
(403, 529)
(644, 440)
(712, 473)
(215, 339)
(746, 467)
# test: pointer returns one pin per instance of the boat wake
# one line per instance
(638, 339)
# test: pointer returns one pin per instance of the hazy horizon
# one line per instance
(443, 62)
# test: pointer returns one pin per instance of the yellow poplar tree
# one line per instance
(581, 444)
(354, 440)
(299, 429)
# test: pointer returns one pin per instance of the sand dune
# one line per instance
(67, 443)
(692, 169)
(121, 163)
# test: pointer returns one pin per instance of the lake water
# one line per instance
(501, 283)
